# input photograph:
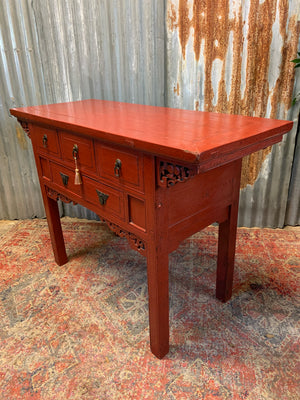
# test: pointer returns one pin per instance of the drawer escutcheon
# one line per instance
(64, 178)
(102, 197)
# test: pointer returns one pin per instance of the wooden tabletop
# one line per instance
(190, 136)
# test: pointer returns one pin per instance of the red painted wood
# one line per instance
(157, 261)
(54, 225)
(137, 214)
(130, 170)
(192, 136)
(46, 140)
(180, 171)
(57, 170)
(113, 204)
(85, 155)
(212, 192)
(227, 239)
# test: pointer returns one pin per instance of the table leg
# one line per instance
(227, 241)
(226, 253)
(158, 289)
(54, 225)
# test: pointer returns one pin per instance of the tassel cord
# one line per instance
(78, 180)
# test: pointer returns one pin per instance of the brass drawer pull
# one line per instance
(117, 167)
(77, 180)
(75, 151)
(45, 141)
(102, 197)
(64, 178)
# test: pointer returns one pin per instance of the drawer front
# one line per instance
(107, 199)
(65, 177)
(83, 148)
(46, 140)
(45, 168)
(119, 166)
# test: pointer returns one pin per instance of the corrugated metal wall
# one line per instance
(293, 205)
(227, 56)
(233, 56)
(64, 50)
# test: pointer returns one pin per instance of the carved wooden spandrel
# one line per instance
(25, 127)
(53, 194)
(135, 242)
(170, 173)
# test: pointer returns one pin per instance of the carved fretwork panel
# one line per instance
(170, 173)
(135, 242)
(25, 127)
(53, 194)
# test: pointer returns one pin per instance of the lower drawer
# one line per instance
(109, 200)
(65, 178)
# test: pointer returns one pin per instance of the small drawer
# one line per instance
(137, 212)
(45, 168)
(107, 199)
(119, 166)
(46, 140)
(79, 146)
(65, 177)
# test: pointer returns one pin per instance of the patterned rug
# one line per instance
(81, 331)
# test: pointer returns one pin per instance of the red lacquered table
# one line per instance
(155, 175)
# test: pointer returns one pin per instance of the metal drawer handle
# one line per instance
(64, 178)
(117, 167)
(45, 141)
(75, 151)
(78, 180)
(102, 197)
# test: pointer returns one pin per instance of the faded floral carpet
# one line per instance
(81, 331)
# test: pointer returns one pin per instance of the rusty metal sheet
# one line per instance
(293, 204)
(233, 56)
(228, 56)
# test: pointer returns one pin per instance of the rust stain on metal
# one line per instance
(176, 89)
(261, 20)
(251, 166)
(21, 137)
(184, 24)
(213, 24)
(283, 90)
(172, 18)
